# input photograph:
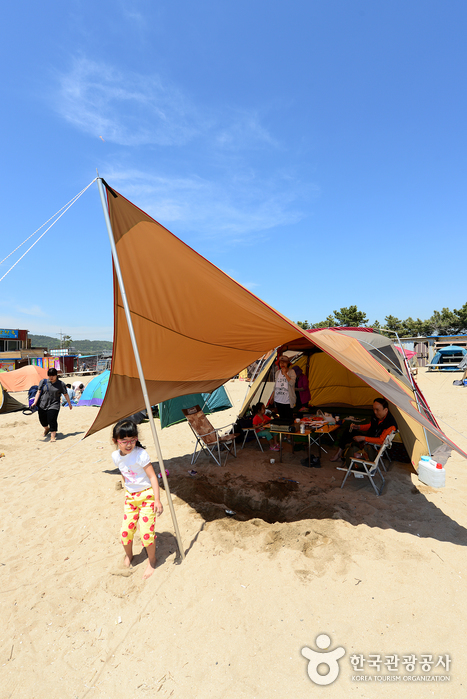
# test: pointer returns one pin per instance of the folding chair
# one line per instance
(370, 468)
(386, 453)
(245, 431)
(208, 438)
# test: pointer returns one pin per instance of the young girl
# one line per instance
(260, 420)
(142, 492)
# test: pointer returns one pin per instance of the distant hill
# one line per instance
(81, 346)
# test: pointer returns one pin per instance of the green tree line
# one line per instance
(444, 322)
(81, 346)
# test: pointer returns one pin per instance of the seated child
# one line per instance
(260, 421)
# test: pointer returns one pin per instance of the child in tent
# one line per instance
(260, 421)
(142, 492)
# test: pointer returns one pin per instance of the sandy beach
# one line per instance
(380, 576)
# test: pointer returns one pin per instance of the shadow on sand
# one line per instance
(288, 492)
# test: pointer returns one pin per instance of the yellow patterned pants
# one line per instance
(139, 506)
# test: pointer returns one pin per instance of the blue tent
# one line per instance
(451, 356)
(94, 392)
(170, 411)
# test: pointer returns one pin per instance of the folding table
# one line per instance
(307, 433)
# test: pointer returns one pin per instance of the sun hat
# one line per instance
(284, 358)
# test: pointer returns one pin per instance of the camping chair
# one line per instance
(370, 468)
(208, 438)
(246, 430)
(386, 454)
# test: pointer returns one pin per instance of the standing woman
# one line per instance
(302, 390)
(284, 389)
(48, 396)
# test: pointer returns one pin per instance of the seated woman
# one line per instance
(375, 432)
(260, 421)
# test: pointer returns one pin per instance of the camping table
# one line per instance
(325, 429)
(307, 433)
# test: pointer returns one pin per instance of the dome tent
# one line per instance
(22, 379)
(94, 392)
(337, 382)
(170, 411)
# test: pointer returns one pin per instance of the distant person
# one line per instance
(47, 400)
(79, 388)
(284, 389)
(70, 392)
(84, 367)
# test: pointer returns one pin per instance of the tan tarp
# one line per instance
(22, 379)
(196, 327)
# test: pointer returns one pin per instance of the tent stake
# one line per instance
(139, 365)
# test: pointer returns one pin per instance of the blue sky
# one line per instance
(315, 151)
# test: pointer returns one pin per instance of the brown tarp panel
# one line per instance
(196, 327)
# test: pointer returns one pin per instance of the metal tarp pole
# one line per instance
(139, 365)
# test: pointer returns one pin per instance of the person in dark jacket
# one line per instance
(374, 432)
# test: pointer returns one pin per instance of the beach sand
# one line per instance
(380, 576)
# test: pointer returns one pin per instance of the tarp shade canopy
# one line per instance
(448, 356)
(196, 327)
(22, 379)
(170, 411)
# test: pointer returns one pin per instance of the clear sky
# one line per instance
(313, 150)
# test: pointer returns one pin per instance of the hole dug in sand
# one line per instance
(272, 501)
